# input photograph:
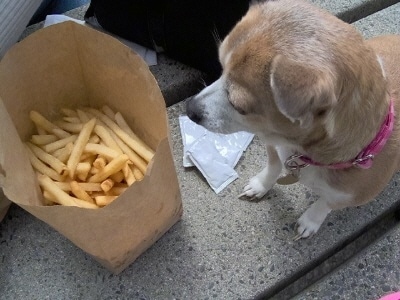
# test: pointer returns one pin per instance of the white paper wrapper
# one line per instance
(148, 55)
(215, 155)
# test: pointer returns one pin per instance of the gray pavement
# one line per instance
(223, 248)
(353, 10)
(373, 273)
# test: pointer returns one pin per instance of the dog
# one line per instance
(324, 100)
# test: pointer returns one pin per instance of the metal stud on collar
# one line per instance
(363, 159)
(291, 163)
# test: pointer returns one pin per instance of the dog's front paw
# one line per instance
(312, 219)
(254, 189)
(306, 226)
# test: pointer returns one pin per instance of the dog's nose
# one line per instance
(195, 117)
(192, 111)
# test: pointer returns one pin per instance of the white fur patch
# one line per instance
(330, 124)
(380, 61)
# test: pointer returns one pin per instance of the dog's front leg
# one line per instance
(260, 184)
(312, 219)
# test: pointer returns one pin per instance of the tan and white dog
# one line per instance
(322, 98)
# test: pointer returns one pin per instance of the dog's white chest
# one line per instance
(314, 177)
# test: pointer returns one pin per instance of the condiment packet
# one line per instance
(190, 132)
(215, 155)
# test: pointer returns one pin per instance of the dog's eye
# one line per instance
(321, 113)
(238, 109)
(232, 102)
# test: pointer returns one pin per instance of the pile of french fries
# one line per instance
(86, 159)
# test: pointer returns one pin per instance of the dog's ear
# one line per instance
(301, 92)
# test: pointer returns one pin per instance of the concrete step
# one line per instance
(351, 11)
(371, 274)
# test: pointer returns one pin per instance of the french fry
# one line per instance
(108, 112)
(60, 196)
(52, 161)
(94, 170)
(128, 174)
(112, 167)
(72, 120)
(70, 127)
(49, 200)
(90, 158)
(43, 139)
(119, 119)
(85, 158)
(117, 177)
(79, 145)
(69, 112)
(117, 190)
(42, 122)
(82, 170)
(106, 137)
(59, 144)
(83, 116)
(94, 139)
(100, 162)
(137, 173)
(104, 200)
(105, 151)
(137, 147)
(86, 186)
(135, 159)
(39, 166)
(40, 130)
(107, 184)
(60, 133)
(80, 193)
(63, 153)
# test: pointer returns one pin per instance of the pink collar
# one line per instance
(364, 159)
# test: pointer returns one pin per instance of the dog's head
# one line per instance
(286, 66)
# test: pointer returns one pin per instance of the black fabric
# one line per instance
(185, 30)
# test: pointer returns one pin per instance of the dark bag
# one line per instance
(186, 30)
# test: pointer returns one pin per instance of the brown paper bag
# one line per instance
(70, 65)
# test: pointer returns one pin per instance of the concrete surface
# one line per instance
(353, 10)
(373, 273)
(223, 248)
(386, 21)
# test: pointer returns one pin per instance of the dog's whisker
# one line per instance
(217, 37)
(202, 81)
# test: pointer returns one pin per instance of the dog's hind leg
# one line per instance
(260, 184)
